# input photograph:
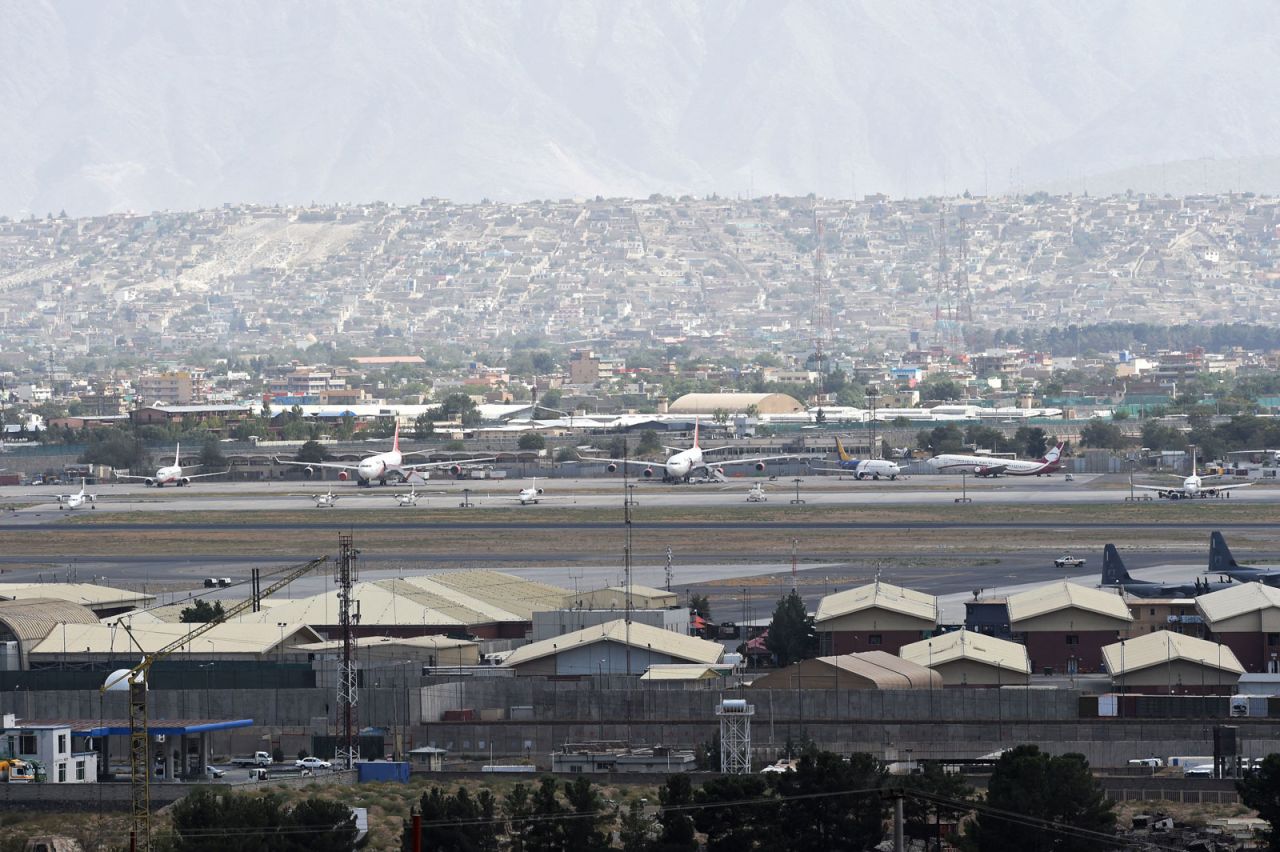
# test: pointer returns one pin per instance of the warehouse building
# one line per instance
(80, 644)
(102, 601)
(1065, 626)
(1245, 618)
(965, 658)
(875, 617)
(26, 622)
(615, 597)
(867, 670)
(611, 648)
(382, 650)
(1168, 663)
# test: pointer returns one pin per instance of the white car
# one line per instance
(312, 763)
(1204, 770)
(214, 772)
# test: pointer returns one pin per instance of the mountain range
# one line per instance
(108, 105)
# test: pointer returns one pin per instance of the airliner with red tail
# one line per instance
(684, 463)
(988, 466)
(381, 465)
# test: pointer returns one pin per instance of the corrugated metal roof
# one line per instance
(378, 607)
(1164, 646)
(32, 619)
(968, 645)
(677, 671)
(507, 591)
(878, 595)
(667, 642)
(885, 670)
(1237, 600)
(230, 638)
(85, 594)
(1063, 595)
(378, 641)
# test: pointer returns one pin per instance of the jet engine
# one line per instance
(455, 470)
(343, 476)
(611, 467)
(759, 466)
(186, 480)
(648, 473)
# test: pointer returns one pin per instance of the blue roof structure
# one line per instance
(120, 727)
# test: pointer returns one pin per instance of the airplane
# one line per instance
(409, 498)
(380, 465)
(1115, 575)
(681, 464)
(1222, 562)
(988, 466)
(862, 468)
(1192, 486)
(171, 474)
(533, 494)
(323, 501)
(77, 500)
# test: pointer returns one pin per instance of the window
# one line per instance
(875, 639)
(1153, 610)
(62, 773)
(62, 744)
(1073, 639)
(1273, 639)
(79, 770)
(27, 744)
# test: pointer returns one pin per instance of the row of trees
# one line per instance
(209, 821)
(1027, 441)
(1035, 802)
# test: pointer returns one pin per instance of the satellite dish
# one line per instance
(117, 681)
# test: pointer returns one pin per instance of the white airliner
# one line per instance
(1192, 486)
(381, 465)
(862, 468)
(170, 474)
(988, 466)
(682, 463)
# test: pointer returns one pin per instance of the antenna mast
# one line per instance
(346, 753)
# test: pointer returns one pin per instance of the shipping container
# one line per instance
(382, 770)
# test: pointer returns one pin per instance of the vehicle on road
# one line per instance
(312, 763)
(1204, 770)
(260, 758)
(214, 772)
(1068, 561)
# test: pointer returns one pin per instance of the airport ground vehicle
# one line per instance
(1068, 561)
(260, 758)
(14, 770)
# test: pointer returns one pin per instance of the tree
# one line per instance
(458, 822)
(1260, 790)
(262, 823)
(312, 451)
(583, 833)
(200, 612)
(941, 439)
(720, 415)
(1059, 789)
(740, 828)
(791, 636)
(114, 448)
(1101, 434)
(460, 407)
(636, 831)
(518, 807)
(211, 458)
(940, 389)
(825, 823)
(546, 833)
(1032, 441)
(701, 605)
(424, 426)
(532, 441)
(677, 834)
(649, 443)
(922, 815)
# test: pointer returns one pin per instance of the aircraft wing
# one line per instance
(832, 469)
(202, 475)
(432, 465)
(756, 460)
(115, 475)
(1228, 487)
(1153, 487)
(334, 465)
(640, 462)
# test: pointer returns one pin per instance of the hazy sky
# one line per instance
(108, 106)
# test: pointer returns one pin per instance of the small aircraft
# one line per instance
(77, 500)
(381, 465)
(861, 468)
(171, 473)
(683, 463)
(1192, 486)
(323, 501)
(408, 498)
(533, 494)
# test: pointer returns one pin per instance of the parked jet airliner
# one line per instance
(683, 463)
(170, 474)
(381, 465)
(989, 466)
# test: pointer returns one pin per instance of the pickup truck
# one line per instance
(260, 758)
(1068, 562)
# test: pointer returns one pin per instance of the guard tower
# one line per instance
(735, 735)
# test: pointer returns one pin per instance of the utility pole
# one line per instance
(346, 753)
(821, 312)
(794, 583)
(668, 569)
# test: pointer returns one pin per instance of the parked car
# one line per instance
(312, 763)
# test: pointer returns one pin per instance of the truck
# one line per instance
(260, 758)
(1068, 561)
(16, 771)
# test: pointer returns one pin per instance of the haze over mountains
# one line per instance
(109, 106)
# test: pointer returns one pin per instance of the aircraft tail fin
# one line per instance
(1113, 571)
(395, 440)
(695, 431)
(1220, 558)
(844, 455)
(1054, 453)
(177, 451)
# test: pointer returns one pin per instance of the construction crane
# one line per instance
(139, 765)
